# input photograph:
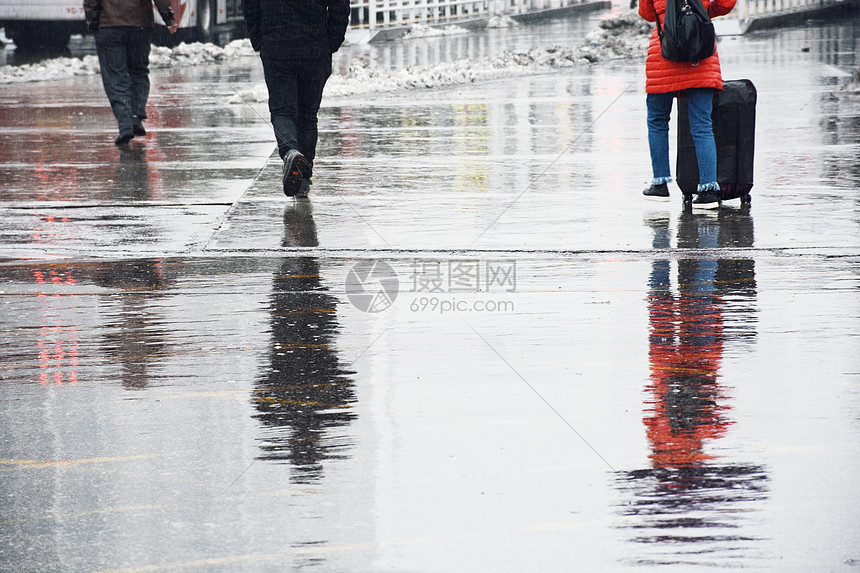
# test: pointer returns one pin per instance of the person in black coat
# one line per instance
(296, 39)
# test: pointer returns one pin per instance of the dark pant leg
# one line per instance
(139, 43)
(312, 79)
(282, 82)
(113, 61)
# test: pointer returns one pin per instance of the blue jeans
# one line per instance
(124, 61)
(700, 102)
(295, 92)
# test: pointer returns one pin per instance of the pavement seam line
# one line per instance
(844, 253)
(63, 206)
(233, 205)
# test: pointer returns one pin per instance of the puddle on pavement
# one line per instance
(412, 420)
(222, 406)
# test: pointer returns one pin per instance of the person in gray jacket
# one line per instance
(123, 31)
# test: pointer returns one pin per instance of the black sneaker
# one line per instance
(295, 168)
(657, 192)
(137, 126)
(707, 200)
(124, 138)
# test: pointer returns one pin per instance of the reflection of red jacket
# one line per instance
(686, 345)
(662, 75)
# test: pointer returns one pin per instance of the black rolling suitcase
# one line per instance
(733, 118)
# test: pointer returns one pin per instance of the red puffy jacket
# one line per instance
(662, 75)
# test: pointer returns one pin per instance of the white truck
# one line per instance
(39, 24)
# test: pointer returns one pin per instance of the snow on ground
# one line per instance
(422, 31)
(622, 37)
(182, 55)
(53, 69)
(197, 54)
(501, 21)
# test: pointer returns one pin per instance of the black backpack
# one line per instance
(688, 35)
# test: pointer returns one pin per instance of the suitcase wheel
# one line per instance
(688, 198)
(746, 199)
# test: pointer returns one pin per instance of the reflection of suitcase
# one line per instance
(733, 118)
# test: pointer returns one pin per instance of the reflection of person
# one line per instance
(663, 80)
(299, 227)
(296, 41)
(123, 30)
(132, 331)
(305, 396)
(131, 179)
(686, 493)
(685, 350)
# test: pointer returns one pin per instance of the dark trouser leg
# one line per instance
(313, 77)
(282, 82)
(113, 61)
(139, 42)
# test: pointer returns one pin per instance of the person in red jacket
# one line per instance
(123, 31)
(664, 79)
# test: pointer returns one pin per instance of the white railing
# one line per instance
(373, 14)
(747, 9)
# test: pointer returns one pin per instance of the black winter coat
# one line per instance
(297, 29)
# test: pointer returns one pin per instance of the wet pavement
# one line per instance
(475, 348)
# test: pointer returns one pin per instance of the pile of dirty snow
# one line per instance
(501, 21)
(422, 31)
(621, 37)
(53, 69)
(182, 55)
(197, 54)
